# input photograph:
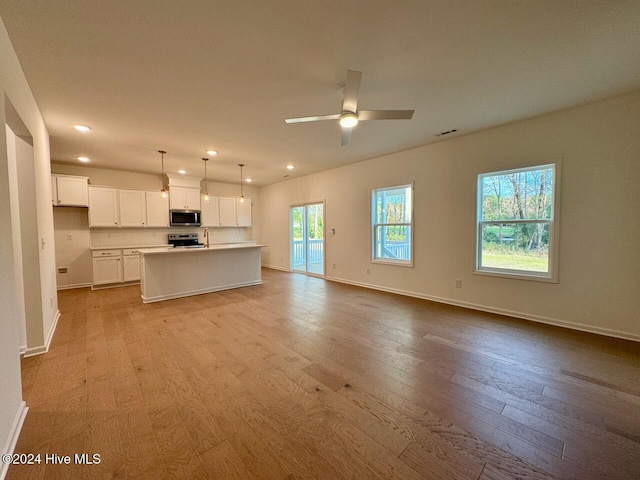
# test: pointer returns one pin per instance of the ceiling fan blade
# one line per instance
(385, 115)
(350, 91)
(346, 136)
(317, 118)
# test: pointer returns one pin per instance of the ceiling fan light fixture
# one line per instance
(348, 120)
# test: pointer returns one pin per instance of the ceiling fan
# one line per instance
(350, 115)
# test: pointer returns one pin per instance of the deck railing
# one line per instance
(316, 252)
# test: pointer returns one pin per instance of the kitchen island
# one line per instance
(167, 273)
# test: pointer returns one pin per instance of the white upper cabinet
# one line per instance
(227, 212)
(132, 208)
(243, 212)
(157, 210)
(69, 191)
(184, 198)
(234, 213)
(103, 207)
(210, 212)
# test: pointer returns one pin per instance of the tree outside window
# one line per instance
(516, 221)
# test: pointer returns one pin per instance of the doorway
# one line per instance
(307, 239)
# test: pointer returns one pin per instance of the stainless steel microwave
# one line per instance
(184, 218)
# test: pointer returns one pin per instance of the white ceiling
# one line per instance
(193, 75)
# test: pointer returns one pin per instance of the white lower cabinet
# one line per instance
(130, 265)
(107, 266)
(115, 266)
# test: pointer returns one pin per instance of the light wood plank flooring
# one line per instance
(302, 378)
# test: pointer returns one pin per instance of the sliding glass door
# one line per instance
(307, 239)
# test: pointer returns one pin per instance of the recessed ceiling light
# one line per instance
(82, 128)
(248, 180)
(83, 159)
(290, 167)
(212, 152)
(182, 172)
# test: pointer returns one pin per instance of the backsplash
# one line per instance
(115, 237)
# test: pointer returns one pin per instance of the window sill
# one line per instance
(516, 276)
(392, 262)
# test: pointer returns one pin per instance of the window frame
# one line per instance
(373, 225)
(552, 275)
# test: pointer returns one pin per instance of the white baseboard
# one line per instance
(52, 330)
(275, 267)
(160, 298)
(12, 440)
(77, 285)
(114, 285)
(501, 311)
(22, 349)
(39, 350)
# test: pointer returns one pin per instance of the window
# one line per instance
(392, 217)
(516, 230)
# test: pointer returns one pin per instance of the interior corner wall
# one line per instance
(10, 393)
(14, 208)
(14, 89)
(599, 147)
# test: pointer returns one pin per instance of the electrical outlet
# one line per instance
(334, 266)
(69, 237)
(368, 271)
(458, 283)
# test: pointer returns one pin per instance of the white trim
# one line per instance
(160, 298)
(114, 285)
(22, 349)
(76, 285)
(14, 433)
(373, 225)
(52, 330)
(552, 276)
(33, 351)
(275, 267)
(500, 311)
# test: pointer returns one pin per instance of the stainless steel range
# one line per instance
(184, 240)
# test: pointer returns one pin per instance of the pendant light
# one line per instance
(241, 194)
(163, 192)
(206, 186)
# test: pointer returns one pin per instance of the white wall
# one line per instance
(12, 170)
(71, 229)
(599, 222)
(17, 101)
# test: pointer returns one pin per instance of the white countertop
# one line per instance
(121, 247)
(224, 246)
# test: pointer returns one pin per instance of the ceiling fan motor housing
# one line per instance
(348, 119)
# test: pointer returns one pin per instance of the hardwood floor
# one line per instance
(302, 378)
